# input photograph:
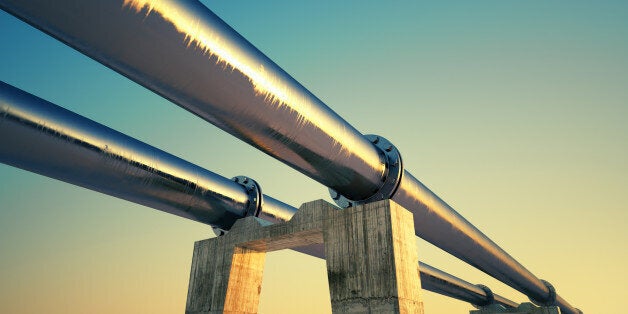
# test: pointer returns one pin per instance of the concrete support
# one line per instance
(523, 308)
(370, 251)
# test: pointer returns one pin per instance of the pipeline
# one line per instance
(38, 136)
(443, 283)
(41, 137)
(215, 73)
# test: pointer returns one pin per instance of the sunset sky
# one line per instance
(513, 112)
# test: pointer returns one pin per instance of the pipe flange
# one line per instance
(254, 205)
(391, 178)
(490, 296)
(551, 298)
(254, 191)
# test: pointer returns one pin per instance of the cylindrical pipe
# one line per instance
(436, 221)
(41, 137)
(438, 281)
(275, 211)
(215, 73)
(38, 136)
(452, 286)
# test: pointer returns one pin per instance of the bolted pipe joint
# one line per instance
(490, 296)
(551, 297)
(254, 205)
(390, 179)
(255, 194)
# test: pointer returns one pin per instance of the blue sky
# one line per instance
(513, 112)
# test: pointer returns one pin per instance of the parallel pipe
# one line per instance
(184, 52)
(443, 283)
(41, 137)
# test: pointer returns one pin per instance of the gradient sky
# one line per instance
(514, 112)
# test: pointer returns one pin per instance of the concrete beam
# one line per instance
(370, 253)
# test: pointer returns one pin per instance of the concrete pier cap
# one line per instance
(370, 254)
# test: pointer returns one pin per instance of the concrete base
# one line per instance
(370, 251)
(523, 308)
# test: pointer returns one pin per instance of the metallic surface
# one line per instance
(449, 285)
(438, 281)
(216, 74)
(38, 136)
(41, 137)
(275, 211)
(256, 198)
(392, 176)
(438, 223)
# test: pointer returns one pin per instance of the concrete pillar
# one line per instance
(372, 260)
(225, 277)
(370, 251)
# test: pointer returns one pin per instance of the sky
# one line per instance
(513, 112)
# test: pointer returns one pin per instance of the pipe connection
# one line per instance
(390, 180)
(551, 297)
(254, 205)
(490, 296)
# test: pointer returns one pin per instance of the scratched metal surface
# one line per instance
(41, 137)
(184, 52)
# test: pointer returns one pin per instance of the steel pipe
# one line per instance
(216, 74)
(438, 281)
(443, 283)
(41, 137)
(38, 136)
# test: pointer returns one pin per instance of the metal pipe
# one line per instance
(276, 211)
(38, 136)
(44, 138)
(443, 283)
(438, 281)
(216, 74)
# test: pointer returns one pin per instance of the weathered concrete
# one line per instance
(370, 249)
(523, 308)
(372, 260)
